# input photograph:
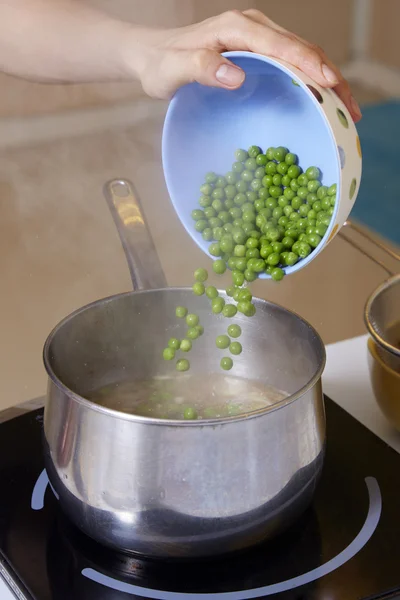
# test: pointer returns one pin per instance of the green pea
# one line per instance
(238, 235)
(275, 191)
(168, 354)
(332, 190)
(199, 329)
(241, 155)
(303, 180)
(189, 414)
(317, 206)
(218, 195)
(240, 199)
(222, 342)
(237, 167)
(207, 234)
(249, 276)
(211, 177)
(234, 331)
(302, 193)
(249, 216)
(273, 259)
(182, 364)
(283, 258)
(230, 192)
(313, 239)
(313, 186)
(322, 192)
(235, 348)
(259, 173)
(270, 153)
(236, 295)
(303, 249)
(206, 189)
(217, 304)
(219, 266)
(173, 343)
(283, 221)
(226, 363)
(277, 179)
(325, 203)
(239, 250)
(235, 212)
(198, 288)
(186, 345)
(231, 264)
(290, 158)
(215, 249)
(192, 320)
(294, 185)
(197, 214)
(251, 196)
(280, 153)
(181, 312)
(263, 193)
(226, 244)
(245, 294)
(241, 264)
(256, 185)
(237, 277)
(270, 168)
(266, 250)
(241, 186)
(313, 173)
(205, 201)
(286, 180)
(209, 212)
(217, 233)
(297, 202)
(229, 310)
(282, 168)
(277, 274)
(321, 230)
(250, 164)
(247, 175)
(259, 204)
(288, 210)
(230, 290)
(291, 259)
(261, 160)
(215, 222)
(221, 182)
(294, 171)
(253, 253)
(247, 308)
(200, 275)
(267, 181)
(193, 333)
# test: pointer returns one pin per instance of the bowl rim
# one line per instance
(372, 347)
(294, 74)
(313, 381)
(367, 310)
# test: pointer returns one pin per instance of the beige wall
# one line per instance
(321, 21)
(385, 38)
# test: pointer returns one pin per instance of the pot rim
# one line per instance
(367, 311)
(175, 422)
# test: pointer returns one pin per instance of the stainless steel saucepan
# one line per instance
(181, 489)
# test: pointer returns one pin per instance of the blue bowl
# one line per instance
(277, 106)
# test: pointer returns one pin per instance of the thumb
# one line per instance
(204, 66)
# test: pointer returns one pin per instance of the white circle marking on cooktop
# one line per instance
(364, 535)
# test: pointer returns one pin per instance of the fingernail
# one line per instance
(329, 75)
(230, 75)
(355, 107)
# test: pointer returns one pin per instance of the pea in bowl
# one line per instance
(267, 173)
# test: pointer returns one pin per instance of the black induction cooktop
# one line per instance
(345, 547)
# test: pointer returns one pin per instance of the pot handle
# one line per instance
(144, 265)
(376, 243)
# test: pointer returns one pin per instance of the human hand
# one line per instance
(174, 57)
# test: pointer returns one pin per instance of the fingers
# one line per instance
(180, 67)
(280, 43)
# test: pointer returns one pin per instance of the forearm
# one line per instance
(65, 41)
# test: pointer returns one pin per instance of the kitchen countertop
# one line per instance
(345, 380)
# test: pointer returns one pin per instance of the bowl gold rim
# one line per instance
(373, 351)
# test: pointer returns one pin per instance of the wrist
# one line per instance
(136, 51)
